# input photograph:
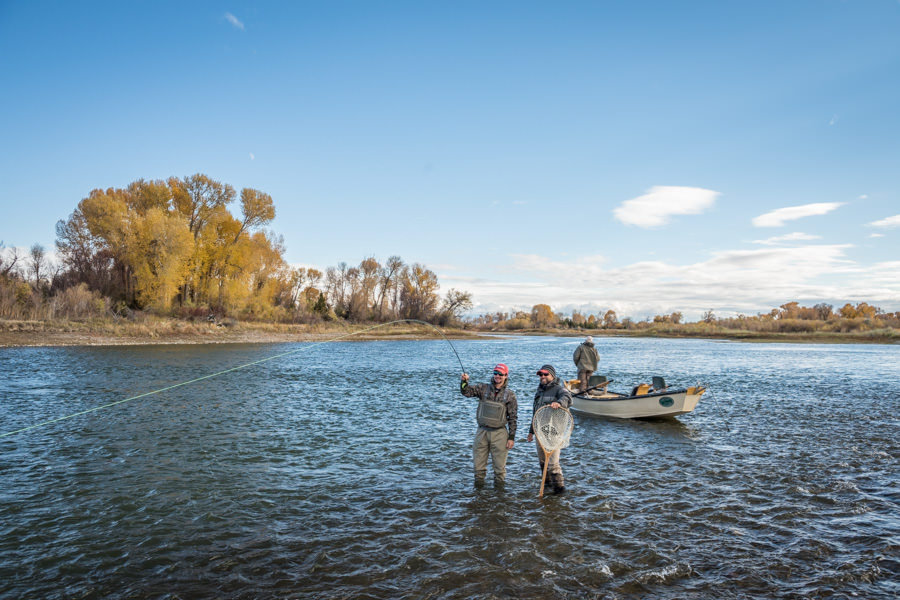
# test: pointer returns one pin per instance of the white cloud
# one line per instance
(252, 156)
(654, 208)
(234, 21)
(887, 223)
(778, 217)
(791, 237)
(833, 120)
(730, 282)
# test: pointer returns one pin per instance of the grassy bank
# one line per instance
(162, 330)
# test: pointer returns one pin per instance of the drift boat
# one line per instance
(645, 400)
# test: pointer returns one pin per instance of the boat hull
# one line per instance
(619, 406)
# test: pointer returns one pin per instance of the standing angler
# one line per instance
(586, 358)
(550, 392)
(497, 415)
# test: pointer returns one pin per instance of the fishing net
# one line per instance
(553, 428)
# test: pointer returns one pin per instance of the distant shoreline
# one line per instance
(169, 331)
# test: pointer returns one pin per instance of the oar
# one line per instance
(594, 387)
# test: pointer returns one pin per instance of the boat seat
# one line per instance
(596, 380)
(641, 389)
(659, 384)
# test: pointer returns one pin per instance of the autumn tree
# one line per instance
(37, 262)
(454, 304)
(824, 311)
(257, 210)
(388, 287)
(144, 243)
(157, 251)
(336, 284)
(418, 295)
(861, 311)
(610, 320)
(789, 310)
(542, 315)
(197, 198)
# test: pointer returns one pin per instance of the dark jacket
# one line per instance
(486, 391)
(553, 392)
(586, 357)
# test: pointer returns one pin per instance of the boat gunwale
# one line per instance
(619, 397)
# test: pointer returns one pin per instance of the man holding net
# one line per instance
(550, 393)
(497, 416)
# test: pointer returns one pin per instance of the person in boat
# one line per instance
(497, 416)
(550, 392)
(586, 358)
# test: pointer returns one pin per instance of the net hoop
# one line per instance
(553, 428)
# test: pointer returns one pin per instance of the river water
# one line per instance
(343, 470)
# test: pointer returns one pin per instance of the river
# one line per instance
(343, 470)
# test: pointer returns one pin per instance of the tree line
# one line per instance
(172, 247)
(790, 317)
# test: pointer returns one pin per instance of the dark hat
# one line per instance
(549, 369)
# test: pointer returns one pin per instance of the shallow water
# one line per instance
(343, 470)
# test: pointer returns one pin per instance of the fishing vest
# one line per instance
(492, 413)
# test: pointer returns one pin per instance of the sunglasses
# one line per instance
(499, 373)
(543, 373)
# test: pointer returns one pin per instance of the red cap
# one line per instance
(502, 368)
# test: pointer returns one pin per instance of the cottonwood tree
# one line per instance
(154, 239)
(610, 319)
(542, 315)
(418, 296)
(454, 304)
(158, 249)
(37, 260)
(388, 288)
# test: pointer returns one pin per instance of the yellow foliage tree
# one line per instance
(159, 247)
(542, 315)
(164, 235)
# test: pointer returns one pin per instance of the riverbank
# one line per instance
(172, 331)
(154, 330)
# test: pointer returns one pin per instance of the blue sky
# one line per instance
(646, 156)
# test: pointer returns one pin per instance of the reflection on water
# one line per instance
(344, 470)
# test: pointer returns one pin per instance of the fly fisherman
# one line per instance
(586, 358)
(550, 393)
(497, 417)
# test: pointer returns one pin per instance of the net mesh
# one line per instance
(553, 427)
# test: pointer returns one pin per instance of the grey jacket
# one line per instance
(553, 392)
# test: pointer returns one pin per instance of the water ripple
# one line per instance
(345, 472)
